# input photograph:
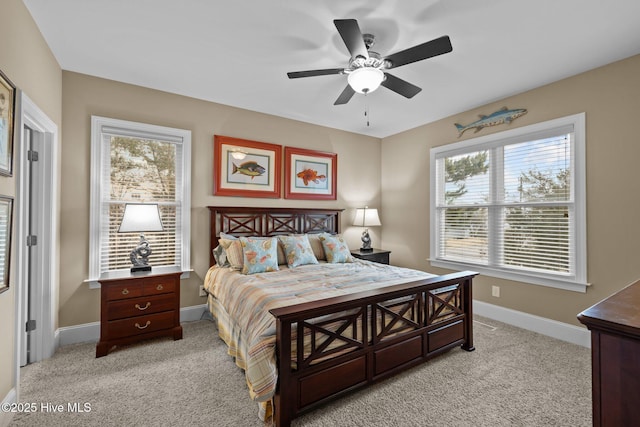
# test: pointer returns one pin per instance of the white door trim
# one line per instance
(46, 276)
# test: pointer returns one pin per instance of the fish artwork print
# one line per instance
(251, 169)
(504, 115)
(309, 175)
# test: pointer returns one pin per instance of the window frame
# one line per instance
(130, 128)
(573, 282)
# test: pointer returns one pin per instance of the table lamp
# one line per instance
(366, 217)
(139, 218)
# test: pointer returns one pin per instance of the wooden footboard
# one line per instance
(347, 343)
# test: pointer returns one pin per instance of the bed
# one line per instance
(309, 334)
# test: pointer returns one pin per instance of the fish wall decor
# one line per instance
(250, 168)
(309, 175)
(504, 115)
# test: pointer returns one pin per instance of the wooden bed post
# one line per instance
(284, 398)
(468, 309)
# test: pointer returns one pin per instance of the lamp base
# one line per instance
(140, 268)
(366, 241)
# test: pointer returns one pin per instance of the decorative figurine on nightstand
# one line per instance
(140, 255)
(366, 241)
(366, 218)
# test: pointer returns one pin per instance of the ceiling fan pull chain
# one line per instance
(366, 109)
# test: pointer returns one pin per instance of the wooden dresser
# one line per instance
(615, 352)
(137, 306)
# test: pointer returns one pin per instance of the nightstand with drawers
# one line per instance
(375, 255)
(138, 306)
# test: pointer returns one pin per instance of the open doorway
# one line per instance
(36, 247)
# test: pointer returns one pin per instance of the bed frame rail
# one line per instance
(374, 335)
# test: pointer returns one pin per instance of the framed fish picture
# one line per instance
(245, 168)
(309, 174)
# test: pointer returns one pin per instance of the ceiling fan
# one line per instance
(367, 69)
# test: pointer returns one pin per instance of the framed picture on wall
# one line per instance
(246, 168)
(7, 119)
(6, 219)
(310, 174)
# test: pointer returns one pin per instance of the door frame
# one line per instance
(45, 291)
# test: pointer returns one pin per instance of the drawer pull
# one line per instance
(145, 326)
(145, 307)
(125, 291)
(159, 288)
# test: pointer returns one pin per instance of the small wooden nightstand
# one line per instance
(137, 306)
(375, 255)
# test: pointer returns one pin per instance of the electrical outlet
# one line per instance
(495, 291)
(201, 291)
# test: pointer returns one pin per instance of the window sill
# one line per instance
(568, 284)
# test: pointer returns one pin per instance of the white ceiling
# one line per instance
(238, 52)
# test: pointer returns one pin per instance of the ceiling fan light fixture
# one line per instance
(365, 79)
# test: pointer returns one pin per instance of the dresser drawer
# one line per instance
(140, 306)
(141, 324)
(157, 287)
(124, 291)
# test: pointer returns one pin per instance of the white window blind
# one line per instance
(135, 162)
(512, 204)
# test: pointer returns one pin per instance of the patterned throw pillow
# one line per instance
(316, 246)
(297, 250)
(233, 250)
(220, 255)
(259, 255)
(335, 249)
(235, 259)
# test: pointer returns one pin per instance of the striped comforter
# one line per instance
(241, 305)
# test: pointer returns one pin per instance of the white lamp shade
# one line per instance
(365, 80)
(140, 217)
(367, 218)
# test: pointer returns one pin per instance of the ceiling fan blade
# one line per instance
(352, 37)
(422, 51)
(312, 73)
(400, 86)
(345, 96)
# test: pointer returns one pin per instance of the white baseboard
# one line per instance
(5, 416)
(87, 332)
(193, 313)
(542, 325)
(90, 332)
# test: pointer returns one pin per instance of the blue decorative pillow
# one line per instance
(260, 255)
(297, 250)
(335, 249)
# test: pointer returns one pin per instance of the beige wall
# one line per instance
(610, 97)
(26, 59)
(83, 96)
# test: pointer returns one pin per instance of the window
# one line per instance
(512, 204)
(141, 163)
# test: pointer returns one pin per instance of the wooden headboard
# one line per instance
(258, 221)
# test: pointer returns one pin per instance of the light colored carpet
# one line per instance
(514, 378)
